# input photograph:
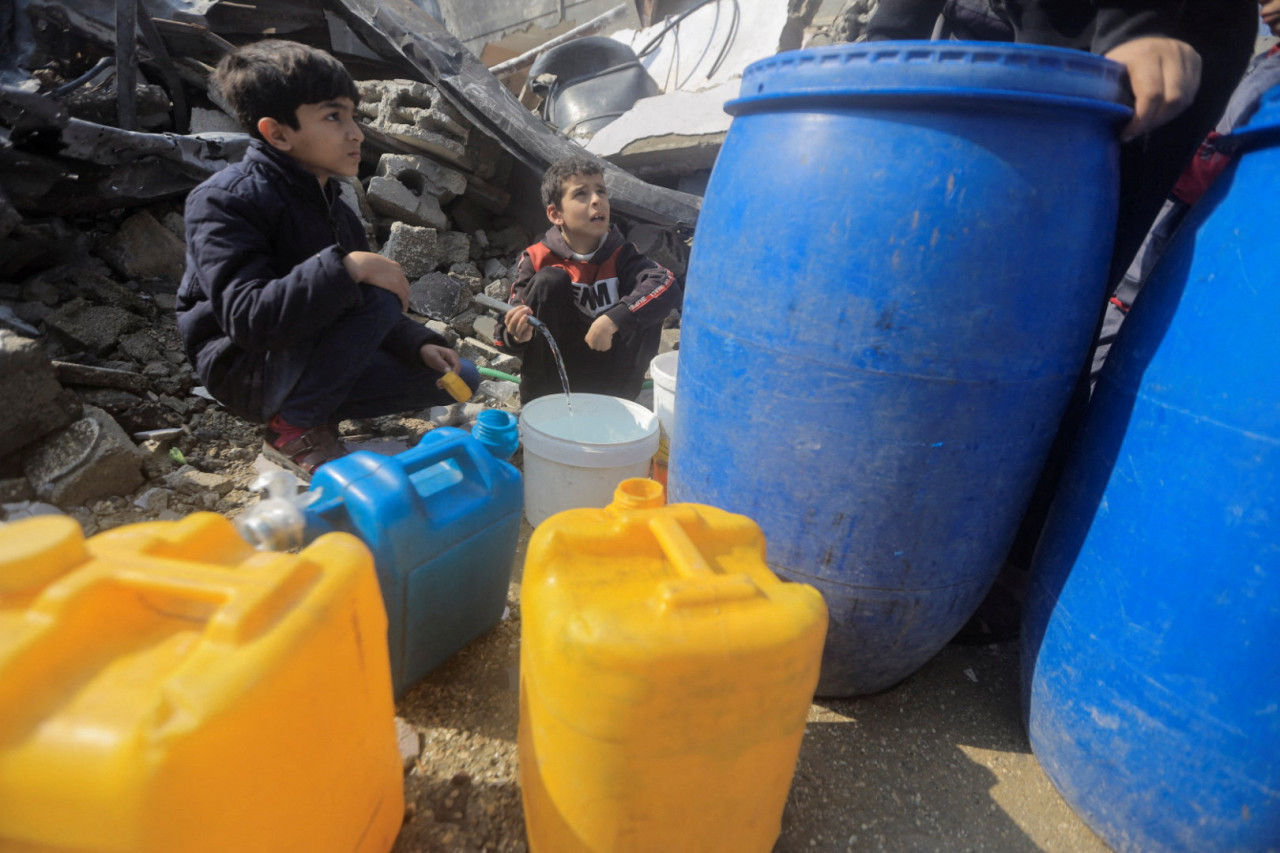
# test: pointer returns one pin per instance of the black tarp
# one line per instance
(407, 40)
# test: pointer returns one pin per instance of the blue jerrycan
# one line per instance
(898, 266)
(1151, 634)
(442, 520)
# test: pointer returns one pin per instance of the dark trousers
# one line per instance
(616, 372)
(345, 373)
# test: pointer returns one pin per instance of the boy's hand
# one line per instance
(518, 323)
(600, 335)
(379, 271)
(440, 359)
(1164, 74)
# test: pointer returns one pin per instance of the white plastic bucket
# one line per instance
(577, 460)
(663, 371)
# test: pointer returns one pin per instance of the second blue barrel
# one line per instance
(1151, 634)
(897, 270)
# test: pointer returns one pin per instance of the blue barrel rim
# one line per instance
(915, 99)
(935, 67)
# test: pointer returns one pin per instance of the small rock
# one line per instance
(409, 741)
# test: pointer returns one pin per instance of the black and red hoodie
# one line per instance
(634, 291)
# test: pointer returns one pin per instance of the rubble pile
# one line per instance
(105, 417)
(106, 420)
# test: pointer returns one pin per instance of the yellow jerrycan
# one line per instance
(165, 688)
(665, 677)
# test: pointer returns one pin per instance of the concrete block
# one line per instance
(484, 327)
(479, 352)
(88, 460)
(414, 248)
(494, 268)
(506, 362)
(453, 247)
(442, 328)
(423, 175)
(418, 115)
(390, 198)
(143, 248)
(35, 403)
(438, 296)
(499, 289)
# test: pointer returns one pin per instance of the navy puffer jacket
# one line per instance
(265, 244)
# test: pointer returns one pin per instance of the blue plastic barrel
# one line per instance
(442, 520)
(898, 266)
(1151, 634)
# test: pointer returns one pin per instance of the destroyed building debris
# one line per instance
(101, 137)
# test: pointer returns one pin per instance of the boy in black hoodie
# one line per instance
(286, 315)
(600, 299)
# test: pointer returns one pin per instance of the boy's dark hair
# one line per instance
(273, 77)
(562, 170)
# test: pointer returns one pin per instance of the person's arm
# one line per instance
(229, 241)
(406, 339)
(652, 297)
(379, 271)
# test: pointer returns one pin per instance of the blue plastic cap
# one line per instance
(936, 68)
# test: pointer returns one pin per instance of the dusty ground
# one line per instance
(938, 763)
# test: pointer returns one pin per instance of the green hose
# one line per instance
(498, 374)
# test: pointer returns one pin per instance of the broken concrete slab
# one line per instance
(414, 248)
(390, 197)
(90, 459)
(35, 403)
(416, 114)
(484, 327)
(143, 248)
(423, 175)
(94, 328)
(485, 355)
(454, 247)
(402, 32)
(438, 296)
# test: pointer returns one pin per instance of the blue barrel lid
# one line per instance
(993, 70)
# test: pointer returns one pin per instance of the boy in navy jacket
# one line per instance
(600, 299)
(287, 316)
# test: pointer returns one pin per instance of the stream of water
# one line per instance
(564, 376)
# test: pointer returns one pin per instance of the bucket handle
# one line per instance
(698, 583)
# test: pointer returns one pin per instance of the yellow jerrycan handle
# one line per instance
(698, 583)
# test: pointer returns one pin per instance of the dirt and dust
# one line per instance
(938, 763)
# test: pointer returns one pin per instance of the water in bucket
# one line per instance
(577, 460)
